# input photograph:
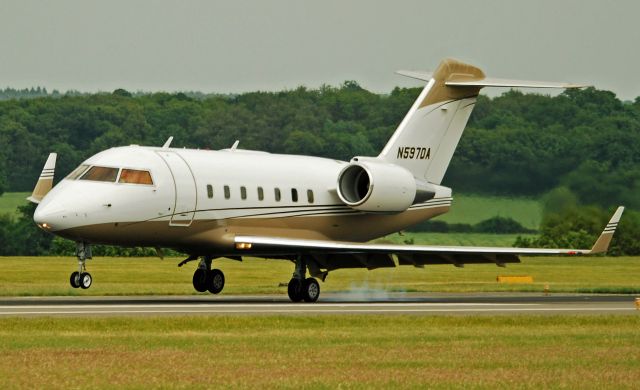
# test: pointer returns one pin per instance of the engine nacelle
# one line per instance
(377, 186)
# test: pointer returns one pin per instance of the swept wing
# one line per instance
(338, 254)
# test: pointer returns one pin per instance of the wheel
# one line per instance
(200, 280)
(85, 280)
(310, 290)
(294, 289)
(216, 281)
(74, 280)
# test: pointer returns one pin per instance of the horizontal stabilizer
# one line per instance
(493, 82)
(415, 74)
(457, 80)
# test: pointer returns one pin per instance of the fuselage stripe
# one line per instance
(289, 211)
(300, 213)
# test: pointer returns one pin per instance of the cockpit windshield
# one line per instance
(109, 174)
(77, 172)
(134, 176)
(100, 174)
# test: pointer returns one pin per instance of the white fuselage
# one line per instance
(200, 199)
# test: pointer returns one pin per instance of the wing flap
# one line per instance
(282, 245)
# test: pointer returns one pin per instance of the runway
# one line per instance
(331, 303)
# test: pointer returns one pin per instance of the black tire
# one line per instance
(74, 279)
(310, 290)
(200, 280)
(85, 280)
(294, 289)
(215, 281)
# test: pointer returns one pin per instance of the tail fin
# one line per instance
(428, 135)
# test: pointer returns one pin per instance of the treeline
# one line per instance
(585, 141)
(494, 225)
(567, 223)
(37, 92)
(515, 144)
(333, 122)
(41, 92)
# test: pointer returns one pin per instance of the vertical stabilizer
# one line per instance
(428, 135)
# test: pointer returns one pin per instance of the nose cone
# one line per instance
(49, 215)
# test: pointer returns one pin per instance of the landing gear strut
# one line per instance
(81, 278)
(207, 279)
(301, 289)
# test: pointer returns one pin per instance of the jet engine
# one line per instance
(377, 186)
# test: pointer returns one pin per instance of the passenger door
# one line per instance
(185, 189)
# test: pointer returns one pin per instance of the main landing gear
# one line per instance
(301, 289)
(207, 279)
(81, 278)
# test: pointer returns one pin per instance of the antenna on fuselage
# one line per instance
(168, 143)
(235, 145)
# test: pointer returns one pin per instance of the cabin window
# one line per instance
(227, 192)
(260, 193)
(100, 174)
(209, 191)
(277, 194)
(294, 195)
(134, 176)
(77, 172)
(310, 196)
(243, 192)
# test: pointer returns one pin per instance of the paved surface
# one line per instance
(330, 303)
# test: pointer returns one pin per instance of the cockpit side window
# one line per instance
(134, 176)
(100, 174)
(77, 172)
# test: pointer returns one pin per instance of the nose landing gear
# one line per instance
(81, 278)
(207, 279)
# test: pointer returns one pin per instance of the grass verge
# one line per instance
(322, 352)
(24, 276)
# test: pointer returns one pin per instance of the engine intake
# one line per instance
(377, 186)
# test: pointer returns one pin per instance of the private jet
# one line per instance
(318, 213)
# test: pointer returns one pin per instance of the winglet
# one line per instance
(602, 244)
(416, 74)
(45, 182)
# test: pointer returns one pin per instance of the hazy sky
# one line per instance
(234, 46)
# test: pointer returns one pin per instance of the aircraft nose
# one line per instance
(49, 215)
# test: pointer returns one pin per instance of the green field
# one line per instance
(324, 352)
(9, 202)
(24, 276)
(472, 209)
